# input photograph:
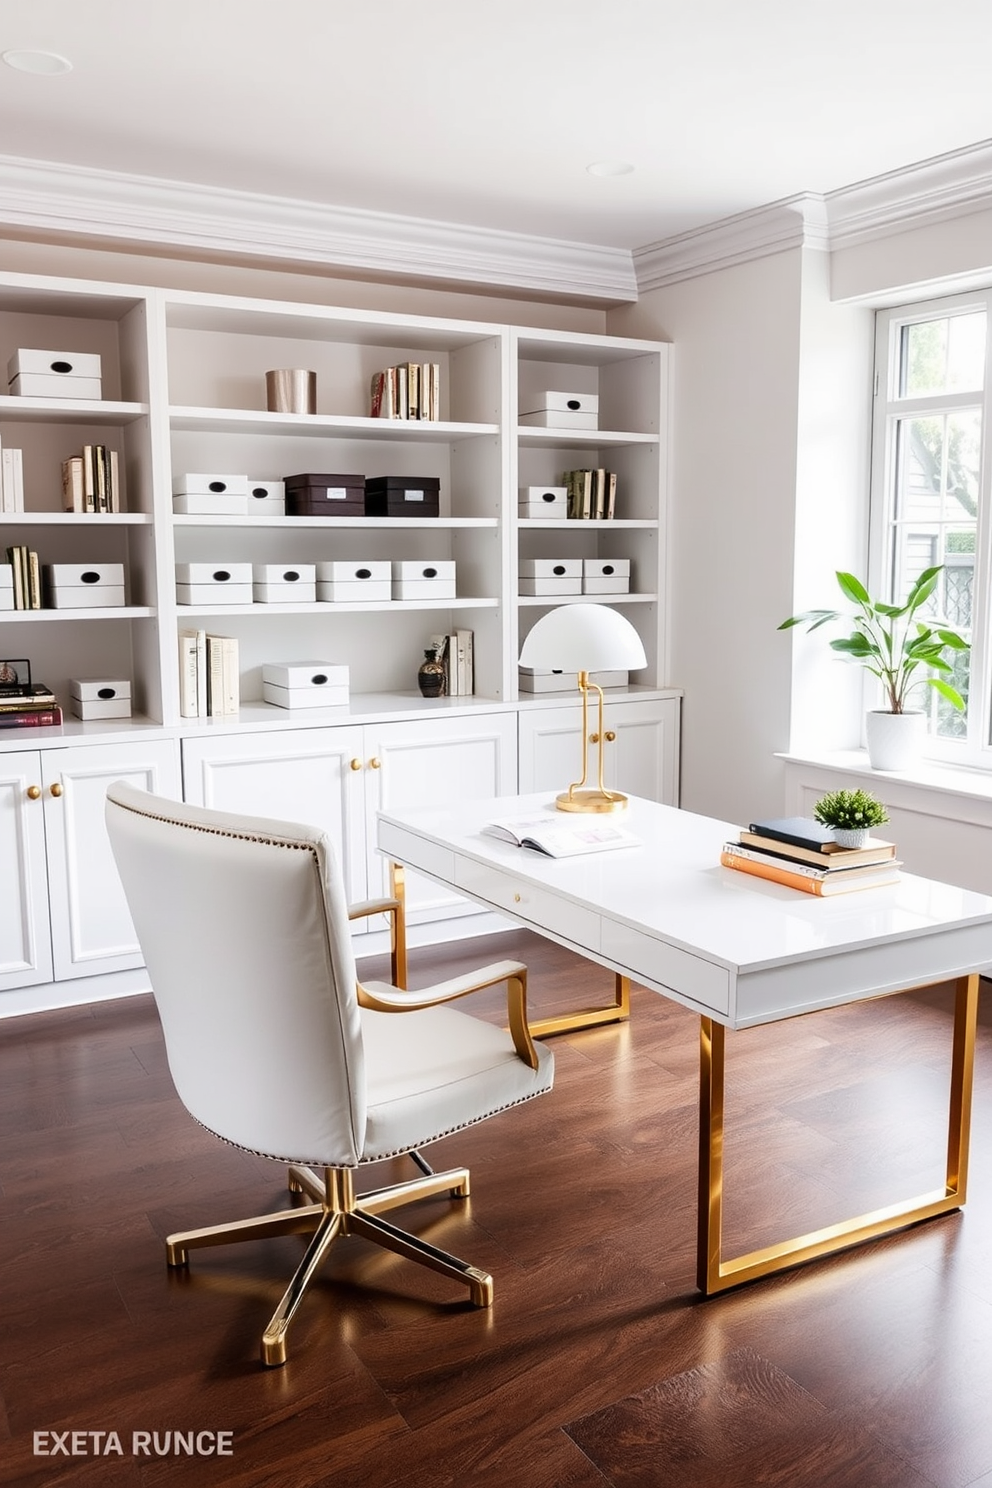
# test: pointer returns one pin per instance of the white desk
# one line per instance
(738, 950)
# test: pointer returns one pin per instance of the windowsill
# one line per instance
(954, 780)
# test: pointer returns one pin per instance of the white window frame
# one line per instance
(975, 750)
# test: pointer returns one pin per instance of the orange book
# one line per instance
(843, 881)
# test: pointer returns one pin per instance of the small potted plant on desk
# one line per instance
(850, 815)
(891, 643)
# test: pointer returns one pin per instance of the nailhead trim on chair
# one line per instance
(320, 1162)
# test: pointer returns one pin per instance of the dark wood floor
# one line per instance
(598, 1364)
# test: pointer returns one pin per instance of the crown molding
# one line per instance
(795, 222)
(53, 198)
(935, 190)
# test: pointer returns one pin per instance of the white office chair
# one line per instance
(274, 1045)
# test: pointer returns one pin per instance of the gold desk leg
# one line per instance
(397, 950)
(617, 1012)
(714, 1274)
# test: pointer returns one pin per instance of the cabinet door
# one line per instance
(25, 940)
(301, 775)
(434, 762)
(641, 758)
(91, 925)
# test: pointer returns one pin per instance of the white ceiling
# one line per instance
(487, 115)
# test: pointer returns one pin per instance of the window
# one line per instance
(930, 494)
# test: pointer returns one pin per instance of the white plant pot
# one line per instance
(895, 740)
(850, 836)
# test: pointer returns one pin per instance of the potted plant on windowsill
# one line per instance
(892, 643)
(850, 815)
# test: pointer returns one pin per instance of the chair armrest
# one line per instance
(395, 909)
(385, 999)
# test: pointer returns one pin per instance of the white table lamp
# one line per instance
(584, 638)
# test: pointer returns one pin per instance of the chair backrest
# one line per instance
(243, 925)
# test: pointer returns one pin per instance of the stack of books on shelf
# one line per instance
(90, 481)
(11, 480)
(209, 678)
(456, 653)
(28, 705)
(27, 578)
(408, 391)
(592, 494)
(798, 852)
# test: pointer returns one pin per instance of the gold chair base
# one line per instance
(336, 1210)
(714, 1274)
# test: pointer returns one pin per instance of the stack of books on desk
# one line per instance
(798, 852)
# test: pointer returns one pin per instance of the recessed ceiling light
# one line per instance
(45, 64)
(609, 168)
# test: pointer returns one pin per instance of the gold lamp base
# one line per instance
(591, 800)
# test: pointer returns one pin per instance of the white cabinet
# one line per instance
(642, 747)
(337, 777)
(63, 912)
(25, 942)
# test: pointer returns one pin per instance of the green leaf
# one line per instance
(947, 692)
(853, 588)
(855, 645)
(922, 589)
(952, 639)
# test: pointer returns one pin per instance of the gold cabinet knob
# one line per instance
(516, 898)
(594, 738)
(375, 764)
(356, 764)
(56, 789)
(34, 791)
(609, 736)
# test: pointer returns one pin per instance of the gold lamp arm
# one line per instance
(599, 799)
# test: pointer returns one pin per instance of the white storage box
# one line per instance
(54, 374)
(79, 586)
(551, 576)
(210, 485)
(305, 684)
(533, 679)
(543, 501)
(344, 580)
(552, 418)
(284, 583)
(98, 697)
(415, 578)
(266, 498)
(210, 504)
(213, 583)
(556, 402)
(606, 576)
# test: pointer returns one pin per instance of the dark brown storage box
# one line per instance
(402, 496)
(325, 495)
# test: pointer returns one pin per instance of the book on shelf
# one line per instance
(11, 480)
(72, 484)
(465, 662)
(209, 678)
(222, 675)
(828, 854)
(99, 471)
(822, 881)
(27, 577)
(410, 390)
(560, 838)
(592, 494)
(49, 717)
(29, 700)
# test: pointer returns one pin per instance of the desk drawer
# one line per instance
(705, 984)
(546, 911)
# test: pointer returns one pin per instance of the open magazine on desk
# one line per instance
(562, 836)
